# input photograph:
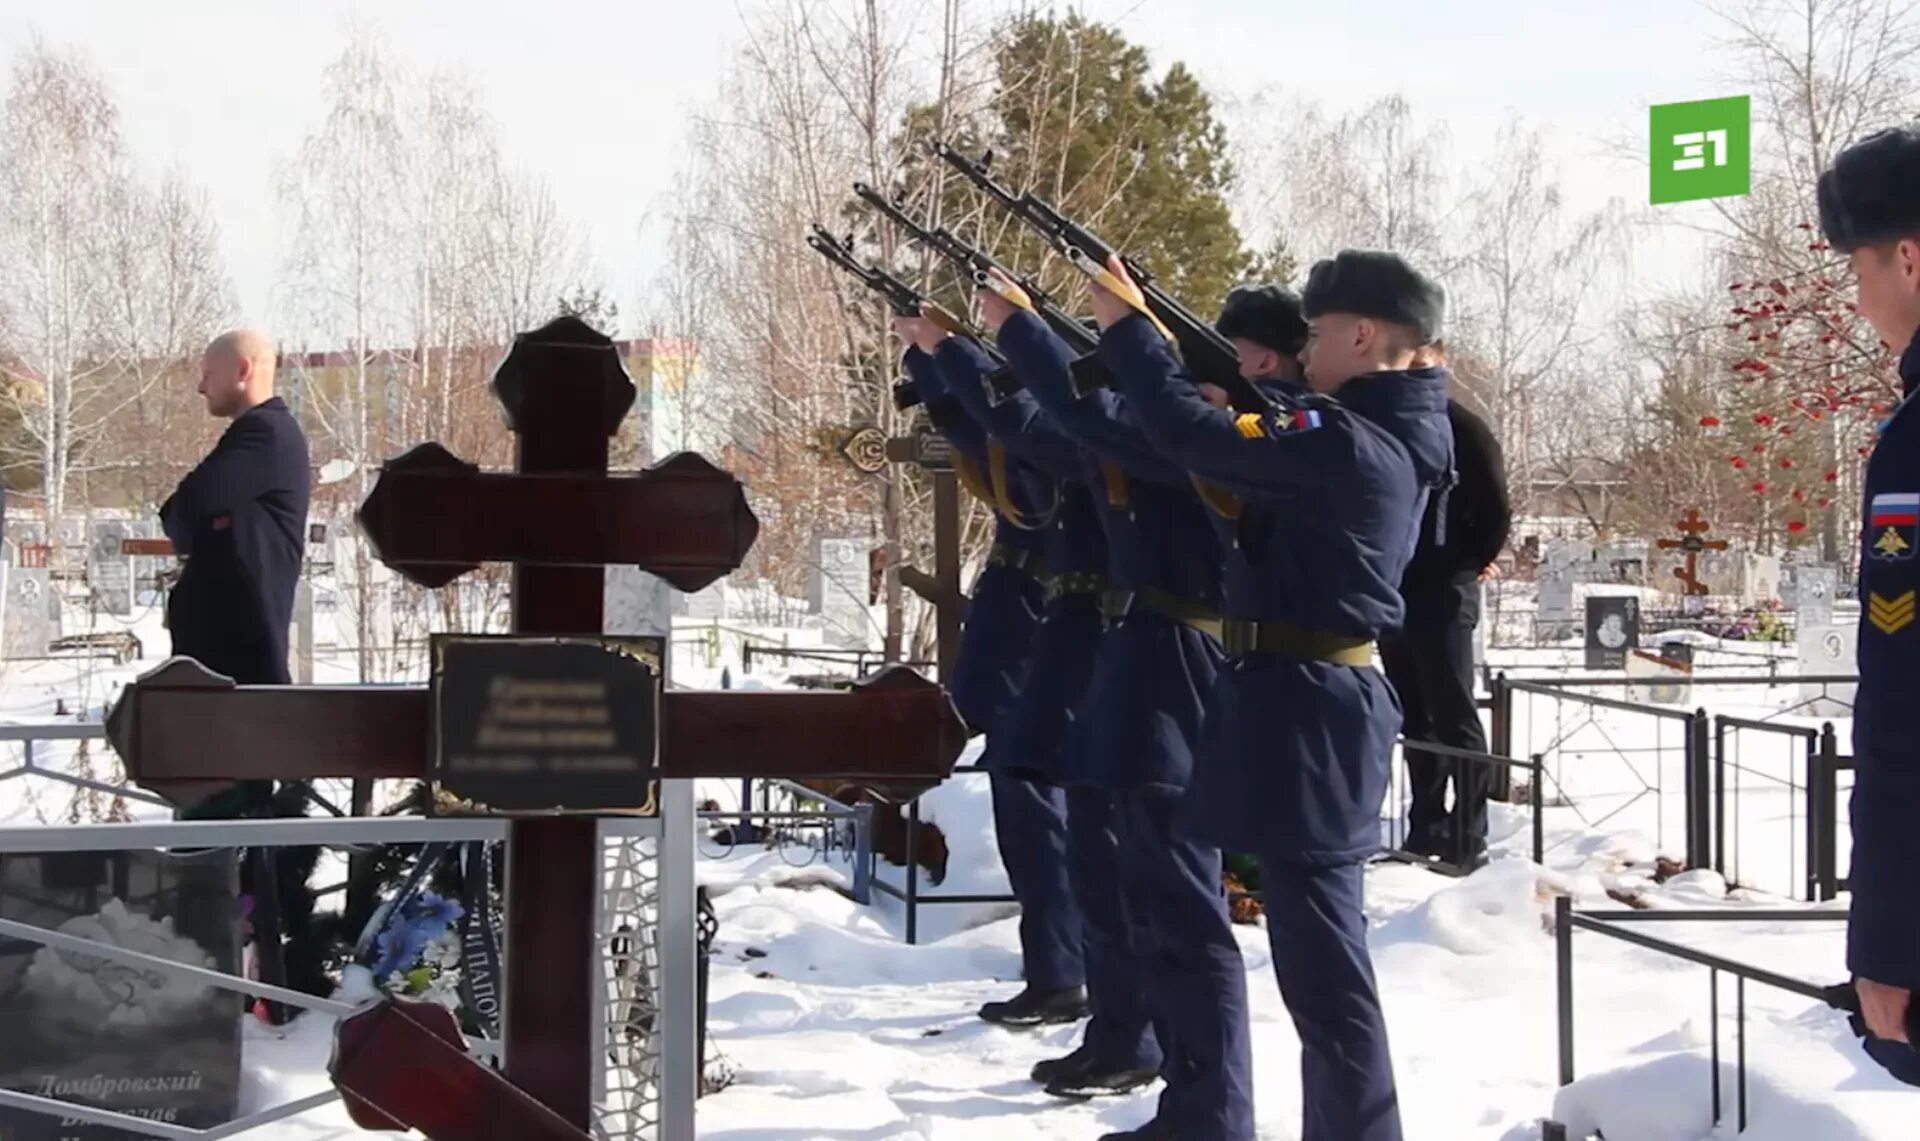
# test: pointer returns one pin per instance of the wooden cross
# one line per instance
(558, 518)
(1692, 541)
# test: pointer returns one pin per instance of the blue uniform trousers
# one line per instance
(1198, 979)
(1030, 827)
(1119, 1034)
(1319, 937)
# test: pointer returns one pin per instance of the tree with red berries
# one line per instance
(1804, 379)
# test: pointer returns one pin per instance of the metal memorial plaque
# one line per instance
(529, 725)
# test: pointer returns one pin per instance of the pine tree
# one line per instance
(1077, 117)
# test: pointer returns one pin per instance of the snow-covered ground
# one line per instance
(841, 1031)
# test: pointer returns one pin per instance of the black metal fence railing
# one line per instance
(1748, 778)
(1676, 761)
(909, 893)
(1824, 809)
(859, 660)
(1610, 923)
(1501, 766)
(1704, 762)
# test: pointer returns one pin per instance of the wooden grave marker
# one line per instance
(559, 518)
(1692, 542)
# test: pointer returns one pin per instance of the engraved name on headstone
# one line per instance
(80, 1029)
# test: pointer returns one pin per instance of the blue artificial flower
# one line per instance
(403, 943)
(434, 914)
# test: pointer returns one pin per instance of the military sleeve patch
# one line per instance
(1254, 425)
(1892, 521)
(1890, 615)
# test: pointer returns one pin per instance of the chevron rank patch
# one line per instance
(1253, 425)
(1890, 615)
(1892, 522)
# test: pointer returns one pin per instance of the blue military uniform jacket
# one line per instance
(1146, 698)
(1030, 740)
(1003, 613)
(240, 521)
(1883, 931)
(1296, 756)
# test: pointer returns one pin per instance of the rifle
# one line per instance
(1210, 356)
(979, 266)
(906, 301)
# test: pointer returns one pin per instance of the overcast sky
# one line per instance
(594, 94)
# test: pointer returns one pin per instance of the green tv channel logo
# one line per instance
(1700, 150)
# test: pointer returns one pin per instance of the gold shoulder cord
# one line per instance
(1223, 502)
(970, 477)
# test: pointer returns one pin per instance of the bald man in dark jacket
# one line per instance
(239, 520)
(1430, 661)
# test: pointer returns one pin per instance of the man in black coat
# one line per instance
(239, 521)
(1430, 661)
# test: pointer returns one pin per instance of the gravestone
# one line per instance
(1557, 576)
(1613, 629)
(29, 613)
(839, 591)
(1828, 650)
(1664, 678)
(1814, 588)
(111, 1036)
(639, 603)
(110, 568)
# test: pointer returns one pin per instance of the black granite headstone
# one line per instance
(81, 1029)
(1613, 628)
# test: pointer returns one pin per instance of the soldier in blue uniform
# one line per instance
(1870, 210)
(1000, 631)
(1118, 1051)
(1267, 330)
(1168, 560)
(1301, 729)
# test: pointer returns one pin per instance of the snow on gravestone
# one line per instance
(28, 614)
(839, 591)
(145, 1043)
(110, 569)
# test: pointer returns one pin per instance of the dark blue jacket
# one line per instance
(1032, 739)
(1296, 756)
(240, 521)
(1147, 697)
(1003, 613)
(1883, 928)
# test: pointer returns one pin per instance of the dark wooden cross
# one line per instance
(941, 588)
(558, 518)
(1692, 541)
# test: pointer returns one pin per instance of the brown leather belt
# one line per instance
(1241, 637)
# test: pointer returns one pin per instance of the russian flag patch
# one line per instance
(1253, 425)
(1896, 510)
